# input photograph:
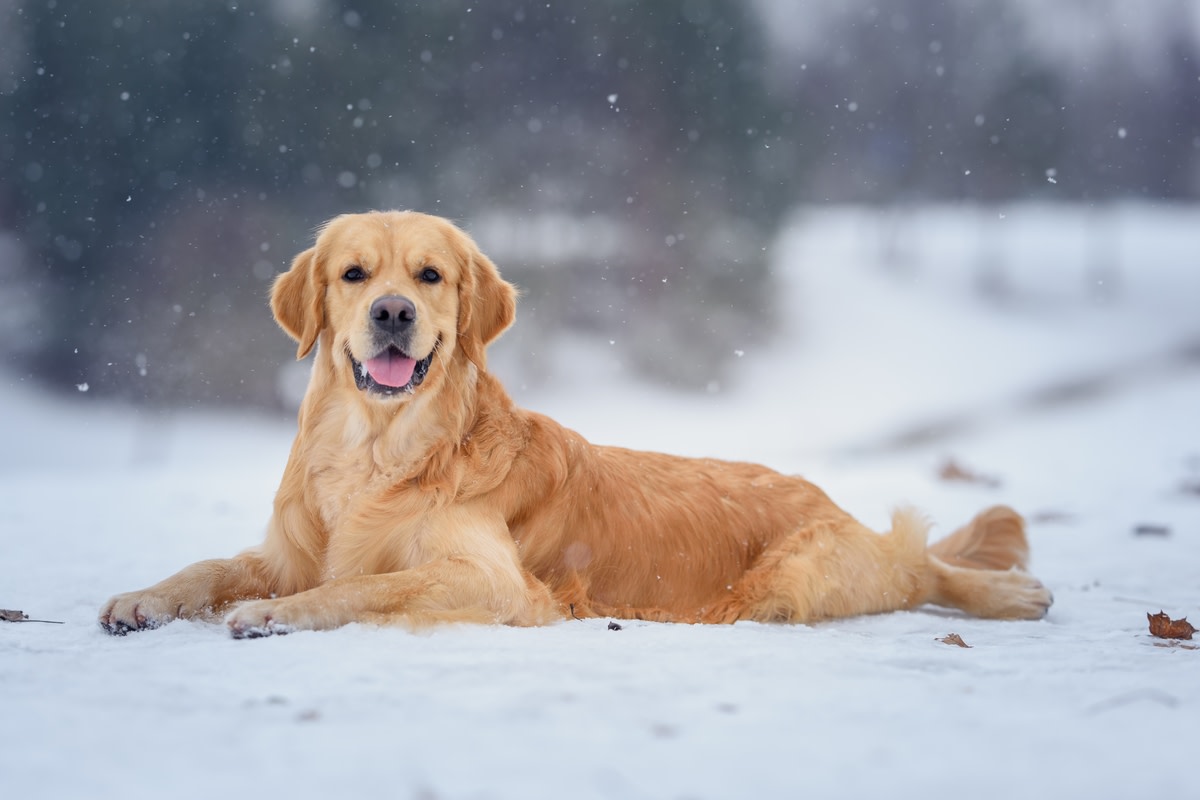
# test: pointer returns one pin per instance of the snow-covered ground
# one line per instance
(1083, 407)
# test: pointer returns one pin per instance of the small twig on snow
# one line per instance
(8, 615)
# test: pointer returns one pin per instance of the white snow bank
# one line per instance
(96, 500)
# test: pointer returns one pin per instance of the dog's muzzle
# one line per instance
(391, 370)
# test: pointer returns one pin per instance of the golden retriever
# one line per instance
(417, 493)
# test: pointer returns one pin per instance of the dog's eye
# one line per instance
(430, 275)
(354, 275)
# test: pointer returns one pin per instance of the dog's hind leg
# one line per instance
(997, 594)
(833, 568)
(840, 568)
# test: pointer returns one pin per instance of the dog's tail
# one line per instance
(995, 539)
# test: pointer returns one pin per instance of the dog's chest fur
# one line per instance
(375, 519)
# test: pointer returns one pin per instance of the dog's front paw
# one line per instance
(138, 611)
(259, 618)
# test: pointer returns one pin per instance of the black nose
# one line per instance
(393, 312)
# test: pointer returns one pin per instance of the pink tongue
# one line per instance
(391, 369)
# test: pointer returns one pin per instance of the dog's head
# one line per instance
(392, 296)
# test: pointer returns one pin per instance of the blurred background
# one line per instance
(633, 167)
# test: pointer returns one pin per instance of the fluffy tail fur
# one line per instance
(995, 539)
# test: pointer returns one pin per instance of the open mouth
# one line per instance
(391, 372)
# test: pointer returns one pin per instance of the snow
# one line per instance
(97, 499)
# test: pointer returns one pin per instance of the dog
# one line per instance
(417, 493)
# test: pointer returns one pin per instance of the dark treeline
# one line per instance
(162, 161)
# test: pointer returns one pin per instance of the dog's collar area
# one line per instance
(366, 383)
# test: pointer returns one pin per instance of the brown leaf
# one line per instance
(951, 470)
(1164, 627)
(954, 639)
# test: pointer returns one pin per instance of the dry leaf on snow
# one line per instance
(951, 470)
(954, 639)
(1164, 627)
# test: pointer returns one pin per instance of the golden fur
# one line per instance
(444, 502)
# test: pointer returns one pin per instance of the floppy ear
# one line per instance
(298, 301)
(487, 305)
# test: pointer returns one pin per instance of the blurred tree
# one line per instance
(628, 162)
(131, 123)
(173, 154)
(925, 100)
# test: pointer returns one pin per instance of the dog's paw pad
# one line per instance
(256, 620)
(259, 631)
